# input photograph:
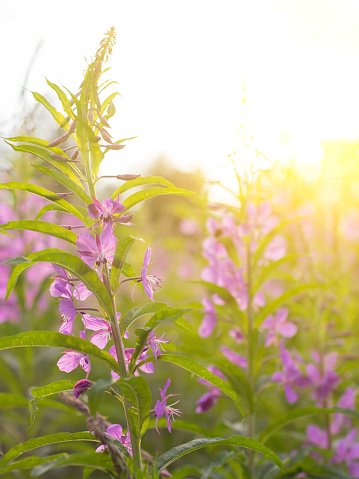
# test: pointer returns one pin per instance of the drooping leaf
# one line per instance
(66, 105)
(61, 437)
(123, 246)
(66, 181)
(175, 453)
(59, 117)
(47, 208)
(53, 388)
(43, 227)
(138, 312)
(58, 340)
(47, 194)
(142, 180)
(202, 372)
(137, 392)
(18, 260)
(143, 195)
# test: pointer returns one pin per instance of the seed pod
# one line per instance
(75, 154)
(105, 135)
(127, 177)
(58, 141)
(90, 115)
(114, 146)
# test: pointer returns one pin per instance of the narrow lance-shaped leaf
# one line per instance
(122, 248)
(166, 315)
(66, 181)
(47, 194)
(59, 117)
(247, 442)
(137, 392)
(138, 312)
(58, 340)
(61, 437)
(47, 208)
(66, 105)
(202, 372)
(42, 227)
(96, 392)
(53, 388)
(142, 180)
(46, 154)
(143, 195)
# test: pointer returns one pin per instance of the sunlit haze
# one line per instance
(181, 68)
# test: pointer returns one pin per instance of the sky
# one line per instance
(181, 68)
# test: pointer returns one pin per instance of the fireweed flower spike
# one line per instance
(97, 251)
(149, 282)
(161, 408)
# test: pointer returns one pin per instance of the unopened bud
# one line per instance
(90, 115)
(114, 146)
(103, 120)
(68, 227)
(64, 195)
(127, 177)
(81, 387)
(62, 158)
(105, 135)
(98, 138)
(59, 140)
(75, 154)
(72, 127)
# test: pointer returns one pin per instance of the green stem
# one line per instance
(120, 352)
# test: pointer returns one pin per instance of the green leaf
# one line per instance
(175, 453)
(66, 181)
(12, 400)
(272, 268)
(47, 208)
(95, 393)
(180, 426)
(18, 260)
(32, 410)
(122, 248)
(42, 227)
(74, 265)
(46, 154)
(202, 372)
(135, 313)
(107, 101)
(56, 438)
(47, 194)
(59, 117)
(143, 195)
(87, 135)
(137, 392)
(298, 414)
(58, 340)
(53, 388)
(165, 315)
(284, 298)
(127, 270)
(142, 180)
(66, 105)
(29, 463)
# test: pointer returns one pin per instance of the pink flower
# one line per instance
(146, 368)
(116, 431)
(71, 359)
(322, 377)
(209, 399)
(161, 408)
(106, 211)
(348, 452)
(149, 282)
(278, 326)
(346, 401)
(209, 319)
(97, 251)
(235, 358)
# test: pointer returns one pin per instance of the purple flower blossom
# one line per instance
(237, 335)
(68, 311)
(346, 401)
(161, 408)
(155, 342)
(97, 251)
(64, 280)
(115, 430)
(234, 358)
(105, 212)
(102, 328)
(321, 376)
(278, 326)
(149, 282)
(81, 387)
(317, 436)
(348, 452)
(146, 368)
(71, 359)
(209, 399)
(209, 319)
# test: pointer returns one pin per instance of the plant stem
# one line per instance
(120, 352)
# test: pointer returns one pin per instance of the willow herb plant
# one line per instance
(97, 270)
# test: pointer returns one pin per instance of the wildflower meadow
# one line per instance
(147, 331)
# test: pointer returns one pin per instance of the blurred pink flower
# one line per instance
(278, 326)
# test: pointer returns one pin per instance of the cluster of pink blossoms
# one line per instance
(96, 252)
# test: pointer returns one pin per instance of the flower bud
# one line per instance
(90, 115)
(81, 387)
(127, 177)
(103, 120)
(59, 140)
(98, 138)
(72, 127)
(114, 146)
(75, 154)
(64, 195)
(105, 135)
